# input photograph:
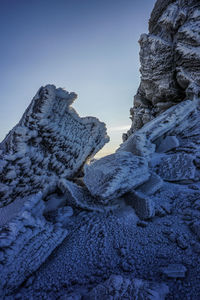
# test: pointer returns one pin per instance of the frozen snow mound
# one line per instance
(113, 175)
(51, 141)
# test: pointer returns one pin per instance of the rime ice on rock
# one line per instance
(113, 175)
(176, 167)
(26, 241)
(80, 197)
(144, 205)
(145, 138)
(170, 60)
(168, 143)
(153, 184)
(51, 141)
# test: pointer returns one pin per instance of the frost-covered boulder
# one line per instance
(80, 197)
(26, 241)
(176, 167)
(179, 117)
(153, 184)
(143, 205)
(170, 60)
(113, 175)
(51, 141)
(168, 143)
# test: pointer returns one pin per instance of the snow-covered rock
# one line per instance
(146, 137)
(170, 143)
(167, 144)
(170, 59)
(153, 184)
(143, 204)
(80, 197)
(53, 202)
(113, 175)
(25, 242)
(176, 167)
(50, 142)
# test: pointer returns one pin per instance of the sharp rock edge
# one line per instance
(50, 142)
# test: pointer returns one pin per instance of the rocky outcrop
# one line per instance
(50, 142)
(81, 198)
(112, 176)
(26, 241)
(170, 60)
(178, 160)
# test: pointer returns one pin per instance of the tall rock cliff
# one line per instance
(170, 60)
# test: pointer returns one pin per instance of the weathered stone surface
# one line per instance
(80, 197)
(175, 271)
(167, 144)
(144, 205)
(170, 60)
(113, 175)
(176, 167)
(50, 142)
(179, 116)
(150, 187)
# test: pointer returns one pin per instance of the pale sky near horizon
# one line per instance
(86, 46)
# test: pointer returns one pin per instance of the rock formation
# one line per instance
(170, 60)
(25, 243)
(80, 197)
(137, 211)
(114, 175)
(50, 142)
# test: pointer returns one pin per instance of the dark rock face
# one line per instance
(50, 142)
(170, 60)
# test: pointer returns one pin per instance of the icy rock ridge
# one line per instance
(166, 149)
(25, 243)
(170, 145)
(170, 60)
(50, 142)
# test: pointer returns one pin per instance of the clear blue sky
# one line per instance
(86, 46)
